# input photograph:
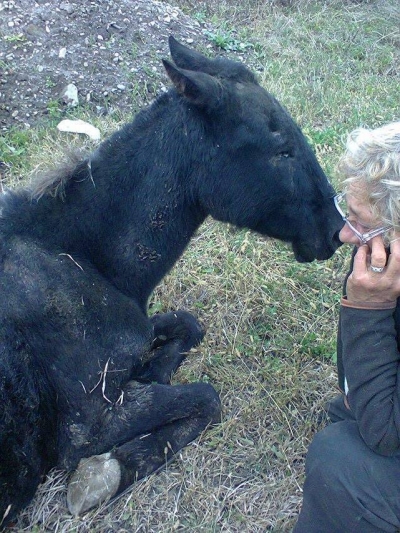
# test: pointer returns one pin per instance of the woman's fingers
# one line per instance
(361, 260)
(378, 255)
(372, 279)
(393, 265)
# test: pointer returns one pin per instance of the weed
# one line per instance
(13, 146)
(134, 52)
(50, 82)
(53, 108)
(200, 16)
(16, 38)
(226, 40)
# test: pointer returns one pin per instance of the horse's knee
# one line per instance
(177, 326)
(209, 401)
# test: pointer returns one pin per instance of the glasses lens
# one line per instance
(341, 204)
(340, 201)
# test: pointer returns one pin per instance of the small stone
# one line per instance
(35, 31)
(67, 7)
(69, 95)
(62, 53)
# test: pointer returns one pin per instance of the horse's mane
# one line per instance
(53, 181)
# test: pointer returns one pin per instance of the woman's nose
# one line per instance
(346, 234)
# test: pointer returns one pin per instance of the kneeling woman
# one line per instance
(353, 465)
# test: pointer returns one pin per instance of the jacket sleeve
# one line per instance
(339, 347)
(371, 366)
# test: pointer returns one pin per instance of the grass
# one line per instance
(271, 322)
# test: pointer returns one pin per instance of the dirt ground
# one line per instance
(106, 51)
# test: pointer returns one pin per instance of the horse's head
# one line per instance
(265, 175)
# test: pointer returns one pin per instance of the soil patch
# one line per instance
(105, 54)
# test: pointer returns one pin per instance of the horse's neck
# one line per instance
(148, 244)
(153, 212)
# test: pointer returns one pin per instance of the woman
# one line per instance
(353, 465)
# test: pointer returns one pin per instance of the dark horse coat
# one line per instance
(84, 373)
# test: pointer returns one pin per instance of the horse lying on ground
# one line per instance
(84, 372)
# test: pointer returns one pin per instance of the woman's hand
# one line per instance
(366, 286)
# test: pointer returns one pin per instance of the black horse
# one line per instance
(84, 372)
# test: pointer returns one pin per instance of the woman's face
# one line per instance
(359, 215)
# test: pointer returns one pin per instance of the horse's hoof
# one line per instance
(95, 480)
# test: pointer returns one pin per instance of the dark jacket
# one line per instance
(368, 354)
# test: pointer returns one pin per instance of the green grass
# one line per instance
(271, 322)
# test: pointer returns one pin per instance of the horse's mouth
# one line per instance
(305, 253)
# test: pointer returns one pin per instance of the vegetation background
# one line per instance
(271, 322)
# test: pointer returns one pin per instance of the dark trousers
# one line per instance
(348, 487)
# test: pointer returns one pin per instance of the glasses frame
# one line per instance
(364, 237)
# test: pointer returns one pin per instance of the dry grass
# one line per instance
(271, 323)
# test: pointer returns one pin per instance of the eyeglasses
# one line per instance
(340, 203)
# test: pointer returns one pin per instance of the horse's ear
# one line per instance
(199, 88)
(187, 58)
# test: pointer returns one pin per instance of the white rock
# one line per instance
(70, 95)
(79, 126)
(62, 53)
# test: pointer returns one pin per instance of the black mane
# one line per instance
(53, 181)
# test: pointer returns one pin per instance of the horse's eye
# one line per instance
(284, 154)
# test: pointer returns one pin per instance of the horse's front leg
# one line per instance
(154, 422)
(175, 333)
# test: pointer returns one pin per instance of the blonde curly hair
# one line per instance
(372, 159)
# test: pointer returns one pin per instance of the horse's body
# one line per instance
(83, 371)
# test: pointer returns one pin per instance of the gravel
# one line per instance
(99, 53)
